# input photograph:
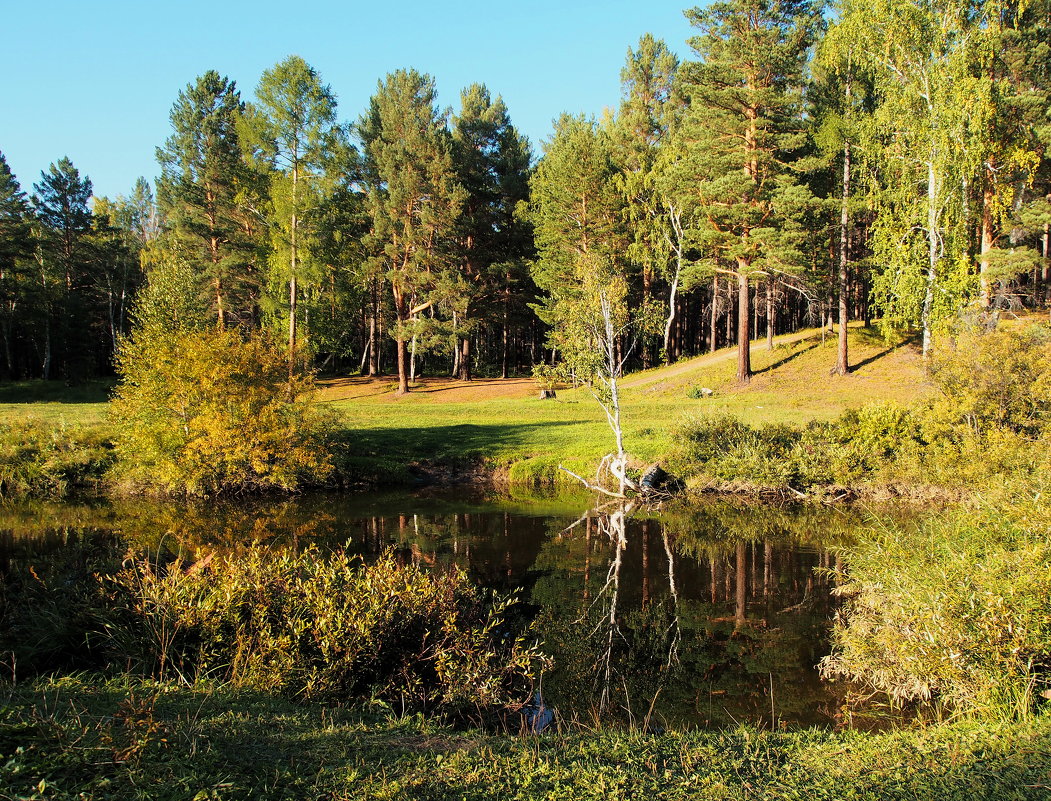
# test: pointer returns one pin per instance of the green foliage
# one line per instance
(995, 380)
(324, 627)
(202, 412)
(987, 421)
(40, 459)
(956, 611)
(723, 448)
(202, 192)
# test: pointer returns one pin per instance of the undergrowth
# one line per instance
(81, 737)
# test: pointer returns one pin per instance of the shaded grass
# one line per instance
(141, 740)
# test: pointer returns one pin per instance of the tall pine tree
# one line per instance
(743, 128)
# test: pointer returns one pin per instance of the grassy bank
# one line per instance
(503, 424)
(78, 738)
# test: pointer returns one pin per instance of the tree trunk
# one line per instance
(842, 365)
(932, 255)
(403, 365)
(1045, 281)
(744, 356)
(504, 352)
(713, 334)
(985, 291)
(647, 290)
(770, 313)
(374, 364)
(465, 359)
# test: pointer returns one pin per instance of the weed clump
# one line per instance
(40, 459)
(310, 625)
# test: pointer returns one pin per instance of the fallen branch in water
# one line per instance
(589, 485)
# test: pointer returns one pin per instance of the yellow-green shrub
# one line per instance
(204, 411)
(957, 610)
(323, 626)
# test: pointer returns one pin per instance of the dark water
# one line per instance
(699, 616)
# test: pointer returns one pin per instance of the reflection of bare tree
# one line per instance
(614, 526)
(609, 523)
(741, 581)
(674, 632)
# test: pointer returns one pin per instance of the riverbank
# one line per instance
(85, 737)
(492, 430)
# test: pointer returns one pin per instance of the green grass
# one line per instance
(82, 737)
(512, 430)
(531, 437)
(55, 401)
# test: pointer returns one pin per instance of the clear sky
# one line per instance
(96, 81)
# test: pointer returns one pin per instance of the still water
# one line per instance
(704, 615)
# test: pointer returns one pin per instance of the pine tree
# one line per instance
(16, 247)
(491, 160)
(60, 202)
(647, 112)
(414, 199)
(200, 191)
(743, 127)
(292, 126)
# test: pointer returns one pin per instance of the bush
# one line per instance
(201, 412)
(323, 627)
(41, 459)
(723, 448)
(957, 611)
(995, 380)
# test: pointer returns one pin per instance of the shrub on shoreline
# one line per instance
(205, 412)
(41, 459)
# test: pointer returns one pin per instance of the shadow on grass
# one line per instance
(452, 443)
(38, 391)
(889, 349)
(786, 359)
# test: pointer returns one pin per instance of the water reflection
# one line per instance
(703, 616)
(690, 616)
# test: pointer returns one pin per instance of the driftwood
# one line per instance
(616, 467)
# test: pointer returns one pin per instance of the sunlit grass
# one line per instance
(504, 423)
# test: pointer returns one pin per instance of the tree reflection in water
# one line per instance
(698, 615)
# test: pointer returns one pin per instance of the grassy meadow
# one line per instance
(505, 424)
(447, 427)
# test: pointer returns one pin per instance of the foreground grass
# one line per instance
(84, 738)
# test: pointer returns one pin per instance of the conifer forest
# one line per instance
(887, 161)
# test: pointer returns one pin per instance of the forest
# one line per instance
(283, 516)
(886, 162)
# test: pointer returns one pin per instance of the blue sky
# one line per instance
(96, 81)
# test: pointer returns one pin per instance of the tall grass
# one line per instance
(42, 459)
(956, 611)
(313, 625)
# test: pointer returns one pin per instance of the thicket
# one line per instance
(41, 459)
(955, 612)
(307, 625)
(988, 419)
(206, 412)
(201, 410)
